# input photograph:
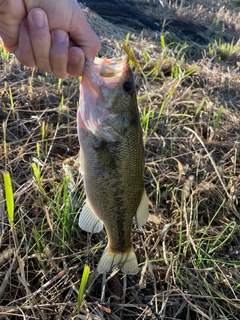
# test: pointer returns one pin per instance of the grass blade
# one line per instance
(83, 284)
(218, 117)
(9, 197)
(36, 172)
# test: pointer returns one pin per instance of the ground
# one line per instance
(189, 250)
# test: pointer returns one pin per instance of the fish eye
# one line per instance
(127, 86)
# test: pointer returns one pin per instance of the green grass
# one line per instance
(5, 55)
(83, 284)
(9, 197)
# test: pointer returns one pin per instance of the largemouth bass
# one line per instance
(111, 159)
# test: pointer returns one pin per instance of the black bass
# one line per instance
(111, 159)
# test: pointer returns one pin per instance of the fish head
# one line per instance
(107, 98)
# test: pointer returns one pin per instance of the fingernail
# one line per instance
(38, 19)
(60, 36)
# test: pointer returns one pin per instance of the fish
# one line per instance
(111, 160)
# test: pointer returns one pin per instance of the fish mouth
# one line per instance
(107, 68)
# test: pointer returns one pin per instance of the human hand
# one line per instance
(51, 34)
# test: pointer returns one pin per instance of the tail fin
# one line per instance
(126, 261)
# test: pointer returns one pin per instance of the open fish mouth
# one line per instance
(107, 72)
(108, 68)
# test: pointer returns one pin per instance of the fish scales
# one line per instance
(112, 160)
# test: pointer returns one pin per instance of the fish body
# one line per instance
(111, 159)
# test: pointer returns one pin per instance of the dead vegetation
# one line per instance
(189, 250)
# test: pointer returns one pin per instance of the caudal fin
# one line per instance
(125, 261)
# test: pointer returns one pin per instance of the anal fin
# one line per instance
(88, 220)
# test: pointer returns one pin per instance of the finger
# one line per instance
(24, 52)
(40, 38)
(68, 16)
(75, 61)
(59, 53)
(11, 15)
(84, 37)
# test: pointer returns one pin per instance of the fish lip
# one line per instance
(107, 68)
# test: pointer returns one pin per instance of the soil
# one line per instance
(143, 14)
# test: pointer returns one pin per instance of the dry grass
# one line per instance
(189, 250)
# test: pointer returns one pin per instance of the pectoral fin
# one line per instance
(88, 220)
(81, 162)
(142, 211)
